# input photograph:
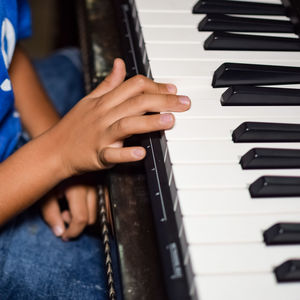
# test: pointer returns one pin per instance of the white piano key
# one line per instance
(194, 82)
(190, 35)
(216, 152)
(165, 6)
(204, 83)
(174, 35)
(221, 176)
(211, 129)
(171, 6)
(202, 230)
(218, 202)
(197, 52)
(213, 109)
(186, 82)
(175, 20)
(239, 258)
(201, 77)
(260, 286)
(206, 68)
(202, 93)
(183, 19)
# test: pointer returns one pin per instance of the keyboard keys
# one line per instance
(283, 234)
(229, 74)
(180, 53)
(170, 6)
(246, 286)
(288, 271)
(275, 186)
(237, 7)
(266, 132)
(210, 129)
(239, 258)
(202, 108)
(208, 151)
(242, 24)
(227, 176)
(165, 6)
(202, 153)
(220, 229)
(243, 42)
(183, 20)
(188, 35)
(235, 202)
(264, 158)
(252, 95)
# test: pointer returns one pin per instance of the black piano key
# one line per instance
(237, 7)
(229, 74)
(252, 95)
(243, 24)
(260, 132)
(275, 186)
(282, 234)
(288, 271)
(244, 42)
(268, 158)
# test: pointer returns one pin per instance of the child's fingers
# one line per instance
(143, 103)
(134, 86)
(66, 216)
(126, 127)
(114, 79)
(76, 197)
(92, 205)
(110, 156)
(52, 215)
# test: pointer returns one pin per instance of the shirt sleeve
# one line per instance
(24, 19)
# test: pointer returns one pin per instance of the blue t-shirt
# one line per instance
(15, 24)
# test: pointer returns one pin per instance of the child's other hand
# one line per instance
(90, 137)
(82, 202)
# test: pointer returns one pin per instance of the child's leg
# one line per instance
(34, 264)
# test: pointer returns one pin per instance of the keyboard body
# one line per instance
(209, 228)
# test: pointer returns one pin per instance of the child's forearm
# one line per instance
(28, 174)
(36, 110)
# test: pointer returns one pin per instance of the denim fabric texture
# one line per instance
(34, 264)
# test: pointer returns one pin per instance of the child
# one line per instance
(88, 138)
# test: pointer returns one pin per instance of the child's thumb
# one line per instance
(113, 80)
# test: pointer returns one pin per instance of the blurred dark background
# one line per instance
(54, 26)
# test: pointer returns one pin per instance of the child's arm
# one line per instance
(90, 137)
(38, 115)
(36, 110)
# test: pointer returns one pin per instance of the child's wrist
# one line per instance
(61, 159)
(50, 152)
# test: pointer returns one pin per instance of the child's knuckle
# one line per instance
(122, 126)
(81, 219)
(140, 81)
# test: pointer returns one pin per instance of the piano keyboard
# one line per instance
(227, 196)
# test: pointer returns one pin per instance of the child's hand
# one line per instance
(90, 137)
(82, 202)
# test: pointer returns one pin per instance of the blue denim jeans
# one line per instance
(34, 264)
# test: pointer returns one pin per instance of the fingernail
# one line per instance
(58, 230)
(171, 88)
(138, 152)
(184, 100)
(65, 239)
(166, 118)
